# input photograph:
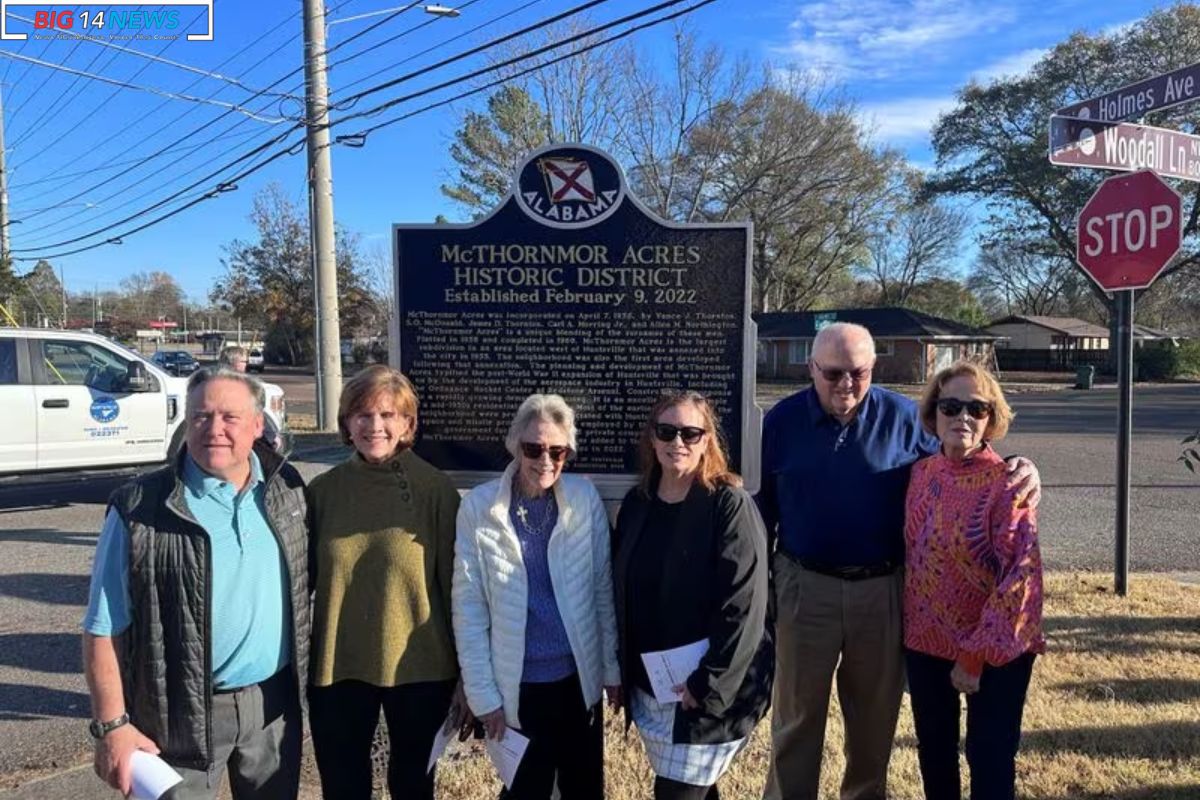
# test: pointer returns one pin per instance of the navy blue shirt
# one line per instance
(833, 494)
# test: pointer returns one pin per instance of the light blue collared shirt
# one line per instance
(251, 616)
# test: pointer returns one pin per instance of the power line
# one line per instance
(63, 97)
(60, 222)
(9, 64)
(171, 147)
(396, 37)
(415, 56)
(257, 42)
(136, 87)
(536, 67)
(65, 176)
(157, 58)
(529, 70)
(444, 62)
(21, 105)
(570, 12)
(295, 148)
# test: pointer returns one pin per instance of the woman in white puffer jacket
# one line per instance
(534, 621)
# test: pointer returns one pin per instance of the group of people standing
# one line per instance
(888, 538)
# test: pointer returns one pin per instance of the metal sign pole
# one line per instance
(1125, 424)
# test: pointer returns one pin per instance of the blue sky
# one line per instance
(900, 60)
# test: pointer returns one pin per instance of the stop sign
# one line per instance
(1128, 231)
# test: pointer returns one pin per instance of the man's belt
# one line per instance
(854, 573)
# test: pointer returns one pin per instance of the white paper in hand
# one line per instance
(440, 741)
(506, 754)
(151, 776)
(670, 668)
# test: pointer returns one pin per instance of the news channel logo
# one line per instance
(114, 20)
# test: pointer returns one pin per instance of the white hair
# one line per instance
(843, 331)
(549, 407)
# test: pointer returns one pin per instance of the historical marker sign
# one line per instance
(1138, 99)
(572, 286)
(1124, 146)
(1128, 231)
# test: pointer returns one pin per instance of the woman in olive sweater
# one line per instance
(690, 564)
(382, 556)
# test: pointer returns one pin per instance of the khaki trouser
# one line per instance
(821, 620)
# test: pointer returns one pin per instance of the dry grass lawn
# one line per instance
(1113, 712)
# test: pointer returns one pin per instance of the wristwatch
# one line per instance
(98, 729)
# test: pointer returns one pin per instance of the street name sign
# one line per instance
(1124, 146)
(1128, 231)
(1137, 99)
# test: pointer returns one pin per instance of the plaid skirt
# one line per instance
(696, 764)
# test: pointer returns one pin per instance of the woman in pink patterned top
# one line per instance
(972, 591)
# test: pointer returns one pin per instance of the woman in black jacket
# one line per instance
(690, 566)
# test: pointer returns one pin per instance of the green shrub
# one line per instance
(1155, 362)
(1189, 358)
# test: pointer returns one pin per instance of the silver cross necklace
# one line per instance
(523, 513)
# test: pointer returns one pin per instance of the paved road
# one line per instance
(47, 535)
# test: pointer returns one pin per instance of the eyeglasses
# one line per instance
(533, 452)
(667, 433)
(836, 375)
(952, 407)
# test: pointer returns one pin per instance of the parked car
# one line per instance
(75, 400)
(176, 362)
(254, 362)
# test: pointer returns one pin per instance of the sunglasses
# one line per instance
(952, 407)
(836, 375)
(667, 433)
(533, 452)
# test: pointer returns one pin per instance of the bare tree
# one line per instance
(916, 245)
(1014, 278)
(793, 160)
(655, 135)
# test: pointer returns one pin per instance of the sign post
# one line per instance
(1127, 233)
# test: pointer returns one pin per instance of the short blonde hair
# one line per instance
(370, 384)
(989, 388)
(549, 407)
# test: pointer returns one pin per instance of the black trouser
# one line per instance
(565, 738)
(993, 726)
(343, 718)
(667, 789)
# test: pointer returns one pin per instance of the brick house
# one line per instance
(911, 346)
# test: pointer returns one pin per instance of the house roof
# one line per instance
(887, 322)
(1069, 326)
(1146, 332)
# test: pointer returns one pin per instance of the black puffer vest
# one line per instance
(166, 655)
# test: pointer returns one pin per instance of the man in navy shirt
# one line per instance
(836, 462)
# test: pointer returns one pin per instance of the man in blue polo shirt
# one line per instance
(196, 635)
(836, 461)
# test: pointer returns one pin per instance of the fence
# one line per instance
(1015, 360)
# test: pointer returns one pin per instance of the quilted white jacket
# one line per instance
(491, 588)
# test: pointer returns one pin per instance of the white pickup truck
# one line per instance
(71, 400)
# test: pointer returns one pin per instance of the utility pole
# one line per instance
(320, 189)
(62, 285)
(4, 248)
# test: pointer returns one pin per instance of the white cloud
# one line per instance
(904, 121)
(1119, 28)
(1009, 66)
(882, 38)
